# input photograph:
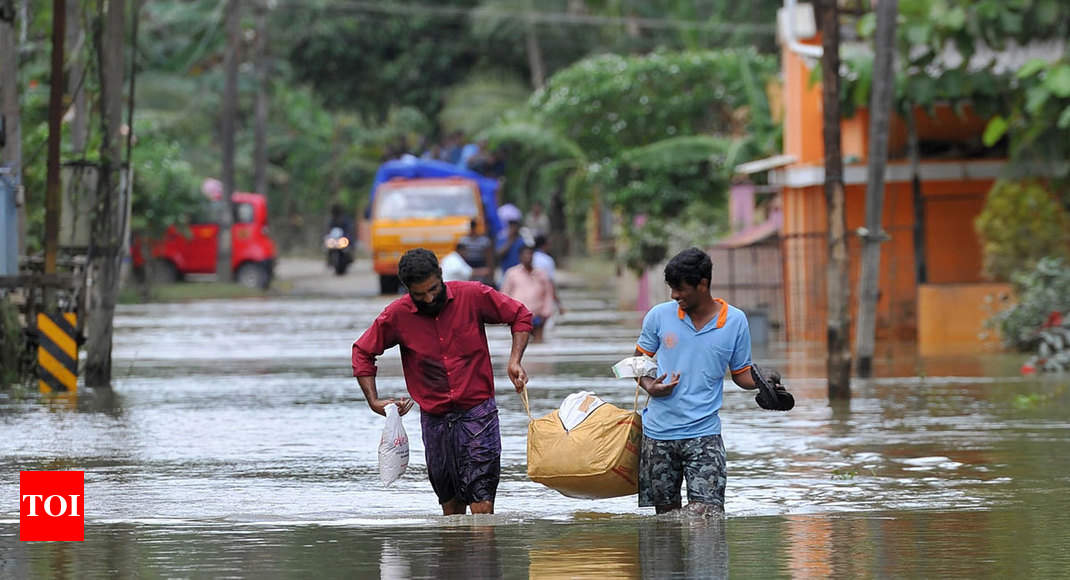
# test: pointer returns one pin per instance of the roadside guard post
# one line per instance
(57, 353)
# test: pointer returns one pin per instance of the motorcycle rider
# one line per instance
(341, 219)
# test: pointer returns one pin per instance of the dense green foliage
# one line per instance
(655, 135)
(165, 189)
(1041, 290)
(961, 51)
(1021, 223)
(609, 103)
(1030, 100)
(351, 84)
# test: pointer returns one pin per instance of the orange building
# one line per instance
(931, 284)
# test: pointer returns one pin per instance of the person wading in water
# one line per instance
(440, 327)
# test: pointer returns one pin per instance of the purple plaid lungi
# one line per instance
(463, 451)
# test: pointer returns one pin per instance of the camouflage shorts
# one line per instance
(663, 465)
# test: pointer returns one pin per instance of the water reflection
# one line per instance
(459, 553)
(655, 547)
(688, 547)
(586, 551)
(920, 544)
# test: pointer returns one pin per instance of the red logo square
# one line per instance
(51, 506)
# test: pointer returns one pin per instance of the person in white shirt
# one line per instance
(454, 267)
(537, 221)
(545, 262)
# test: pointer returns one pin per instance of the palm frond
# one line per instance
(535, 138)
(480, 100)
(677, 151)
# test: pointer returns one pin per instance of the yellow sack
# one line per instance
(598, 458)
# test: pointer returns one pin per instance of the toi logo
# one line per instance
(51, 506)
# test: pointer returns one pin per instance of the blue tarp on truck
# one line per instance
(412, 168)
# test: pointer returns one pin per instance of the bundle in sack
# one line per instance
(393, 447)
(586, 449)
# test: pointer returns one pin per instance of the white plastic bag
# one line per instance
(393, 447)
(577, 407)
(636, 366)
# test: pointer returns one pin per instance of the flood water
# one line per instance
(237, 444)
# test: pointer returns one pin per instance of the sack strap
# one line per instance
(527, 406)
(524, 398)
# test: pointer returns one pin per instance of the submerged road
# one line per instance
(239, 420)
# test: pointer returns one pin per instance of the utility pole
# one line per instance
(880, 110)
(109, 208)
(260, 138)
(921, 273)
(11, 150)
(232, 26)
(55, 136)
(839, 317)
(76, 86)
(531, 39)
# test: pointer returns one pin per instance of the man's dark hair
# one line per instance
(691, 265)
(418, 265)
(540, 241)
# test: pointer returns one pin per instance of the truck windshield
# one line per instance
(425, 201)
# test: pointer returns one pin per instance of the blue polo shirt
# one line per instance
(701, 357)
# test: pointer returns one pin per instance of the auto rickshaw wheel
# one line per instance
(163, 271)
(252, 275)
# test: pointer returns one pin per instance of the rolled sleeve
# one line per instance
(376, 339)
(497, 308)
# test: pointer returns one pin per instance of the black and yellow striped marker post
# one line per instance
(57, 353)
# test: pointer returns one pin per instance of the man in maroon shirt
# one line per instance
(444, 356)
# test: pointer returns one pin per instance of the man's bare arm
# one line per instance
(371, 394)
(744, 379)
(516, 354)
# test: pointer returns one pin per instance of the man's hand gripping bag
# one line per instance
(596, 456)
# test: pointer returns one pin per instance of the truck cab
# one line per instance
(425, 204)
(420, 213)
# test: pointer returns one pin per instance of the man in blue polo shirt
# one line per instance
(695, 338)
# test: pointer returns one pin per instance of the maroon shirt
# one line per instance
(445, 357)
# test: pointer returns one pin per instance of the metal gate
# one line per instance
(751, 278)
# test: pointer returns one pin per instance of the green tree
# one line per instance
(368, 61)
(656, 135)
(1021, 223)
(608, 103)
(480, 100)
(166, 190)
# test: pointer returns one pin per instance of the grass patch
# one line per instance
(187, 291)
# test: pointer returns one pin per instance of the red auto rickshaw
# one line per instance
(252, 251)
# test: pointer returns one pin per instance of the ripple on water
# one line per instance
(258, 396)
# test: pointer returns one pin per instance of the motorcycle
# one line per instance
(339, 250)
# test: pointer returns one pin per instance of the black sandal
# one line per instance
(771, 395)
